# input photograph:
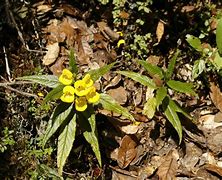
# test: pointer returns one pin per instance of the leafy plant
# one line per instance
(160, 82)
(210, 58)
(6, 140)
(78, 101)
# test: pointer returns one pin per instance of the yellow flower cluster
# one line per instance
(82, 93)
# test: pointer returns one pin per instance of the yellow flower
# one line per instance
(66, 77)
(68, 94)
(121, 41)
(87, 80)
(40, 94)
(80, 104)
(80, 88)
(92, 96)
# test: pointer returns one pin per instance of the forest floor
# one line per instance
(36, 38)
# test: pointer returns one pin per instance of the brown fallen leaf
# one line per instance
(119, 94)
(216, 96)
(107, 31)
(187, 9)
(167, 170)
(58, 66)
(127, 151)
(159, 31)
(52, 53)
(214, 168)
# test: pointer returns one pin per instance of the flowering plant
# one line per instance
(78, 101)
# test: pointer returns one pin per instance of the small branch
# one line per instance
(20, 92)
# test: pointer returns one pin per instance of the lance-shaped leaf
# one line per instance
(194, 42)
(49, 172)
(182, 87)
(144, 80)
(218, 61)
(149, 108)
(65, 143)
(172, 116)
(152, 69)
(160, 95)
(97, 73)
(198, 68)
(177, 108)
(54, 94)
(110, 104)
(87, 121)
(219, 36)
(46, 80)
(72, 62)
(171, 65)
(59, 115)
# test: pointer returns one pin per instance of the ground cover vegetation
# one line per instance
(110, 89)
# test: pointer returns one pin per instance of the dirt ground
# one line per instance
(35, 38)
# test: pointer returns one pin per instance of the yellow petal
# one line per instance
(87, 80)
(92, 96)
(69, 89)
(81, 104)
(80, 88)
(66, 77)
(68, 94)
(121, 41)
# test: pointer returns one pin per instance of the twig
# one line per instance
(11, 17)
(20, 92)
(6, 64)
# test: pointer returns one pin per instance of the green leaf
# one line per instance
(59, 115)
(171, 65)
(72, 62)
(219, 36)
(54, 94)
(88, 125)
(172, 116)
(177, 108)
(65, 143)
(49, 172)
(194, 42)
(144, 80)
(160, 95)
(152, 69)
(97, 73)
(149, 108)
(217, 61)
(46, 80)
(182, 87)
(198, 68)
(110, 104)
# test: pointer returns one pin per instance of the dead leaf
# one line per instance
(214, 168)
(153, 59)
(167, 170)
(127, 151)
(57, 68)
(52, 53)
(119, 94)
(159, 31)
(216, 96)
(208, 121)
(107, 32)
(124, 15)
(214, 142)
(218, 117)
(192, 156)
(187, 9)
(130, 129)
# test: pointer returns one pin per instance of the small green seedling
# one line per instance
(161, 98)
